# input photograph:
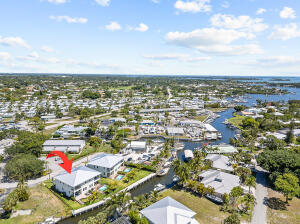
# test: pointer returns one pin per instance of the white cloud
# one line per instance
(205, 36)
(261, 11)
(33, 56)
(91, 64)
(285, 32)
(155, 1)
(174, 56)
(287, 13)
(231, 50)
(244, 23)
(69, 19)
(113, 26)
(14, 41)
(274, 61)
(214, 41)
(193, 6)
(225, 5)
(5, 56)
(47, 49)
(103, 2)
(142, 28)
(58, 1)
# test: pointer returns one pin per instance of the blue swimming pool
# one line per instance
(119, 177)
(127, 170)
(103, 188)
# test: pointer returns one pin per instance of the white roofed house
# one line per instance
(220, 162)
(169, 211)
(72, 146)
(210, 132)
(138, 146)
(81, 180)
(174, 131)
(220, 181)
(107, 164)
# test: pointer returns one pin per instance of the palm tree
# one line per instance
(248, 199)
(250, 182)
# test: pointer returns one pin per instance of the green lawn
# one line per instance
(236, 121)
(200, 118)
(43, 205)
(207, 211)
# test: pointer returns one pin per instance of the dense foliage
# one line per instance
(280, 161)
(24, 166)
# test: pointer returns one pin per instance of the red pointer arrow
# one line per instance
(67, 164)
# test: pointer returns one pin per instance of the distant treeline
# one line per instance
(294, 102)
(297, 84)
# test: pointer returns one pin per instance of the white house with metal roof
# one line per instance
(220, 162)
(138, 146)
(223, 149)
(169, 211)
(107, 164)
(73, 146)
(79, 182)
(222, 182)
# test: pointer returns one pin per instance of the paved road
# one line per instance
(53, 165)
(60, 123)
(259, 215)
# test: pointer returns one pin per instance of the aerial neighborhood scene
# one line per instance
(149, 112)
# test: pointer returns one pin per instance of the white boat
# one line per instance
(163, 172)
(196, 140)
(159, 187)
(219, 135)
(175, 178)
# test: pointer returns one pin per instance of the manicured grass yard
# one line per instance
(236, 121)
(207, 211)
(278, 212)
(43, 205)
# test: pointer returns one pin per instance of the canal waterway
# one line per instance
(227, 133)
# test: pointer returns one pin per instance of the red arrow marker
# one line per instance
(67, 164)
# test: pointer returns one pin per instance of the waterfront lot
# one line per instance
(207, 211)
(236, 121)
(42, 203)
(278, 212)
(113, 186)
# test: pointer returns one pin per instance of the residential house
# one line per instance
(220, 162)
(174, 131)
(107, 164)
(220, 181)
(138, 146)
(81, 180)
(169, 211)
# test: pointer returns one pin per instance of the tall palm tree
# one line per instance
(250, 182)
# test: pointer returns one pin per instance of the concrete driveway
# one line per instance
(259, 215)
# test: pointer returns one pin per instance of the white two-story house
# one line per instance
(107, 164)
(81, 180)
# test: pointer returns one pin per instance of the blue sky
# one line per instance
(174, 37)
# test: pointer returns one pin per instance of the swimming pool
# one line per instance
(127, 170)
(103, 188)
(119, 177)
